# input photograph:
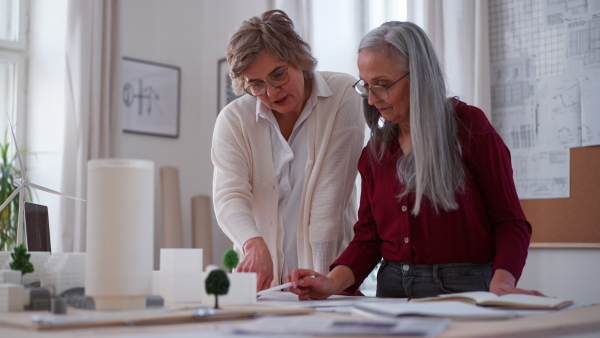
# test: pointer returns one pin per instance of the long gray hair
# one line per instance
(433, 167)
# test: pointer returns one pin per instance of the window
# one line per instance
(380, 11)
(13, 51)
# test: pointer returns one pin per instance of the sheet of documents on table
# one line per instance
(335, 303)
(448, 309)
(306, 325)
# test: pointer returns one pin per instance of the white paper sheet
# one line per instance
(590, 108)
(331, 304)
(306, 325)
(541, 173)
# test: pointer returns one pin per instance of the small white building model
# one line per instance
(38, 259)
(5, 259)
(242, 290)
(11, 297)
(64, 271)
(181, 276)
(10, 276)
(120, 233)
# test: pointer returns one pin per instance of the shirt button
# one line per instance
(404, 208)
(405, 239)
(405, 267)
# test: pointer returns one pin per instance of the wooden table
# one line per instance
(584, 320)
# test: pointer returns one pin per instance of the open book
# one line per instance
(455, 310)
(513, 301)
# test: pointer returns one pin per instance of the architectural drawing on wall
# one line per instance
(145, 97)
(150, 98)
(514, 110)
(559, 113)
(539, 173)
(583, 45)
(590, 101)
(545, 74)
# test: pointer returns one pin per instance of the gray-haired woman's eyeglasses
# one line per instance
(379, 91)
(277, 80)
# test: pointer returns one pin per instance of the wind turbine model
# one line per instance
(23, 183)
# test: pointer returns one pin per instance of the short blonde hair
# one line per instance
(274, 33)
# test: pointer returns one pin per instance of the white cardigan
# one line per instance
(245, 189)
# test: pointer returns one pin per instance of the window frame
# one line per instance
(15, 53)
(21, 39)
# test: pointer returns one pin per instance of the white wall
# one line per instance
(192, 35)
(564, 273)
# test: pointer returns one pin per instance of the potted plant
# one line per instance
(19, 266)
(21, 260)
(8, 216)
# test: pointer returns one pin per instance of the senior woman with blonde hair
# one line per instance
(285, 154)
(438, 201)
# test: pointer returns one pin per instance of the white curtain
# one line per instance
(458, 30)
(92, 103)
(300, 11)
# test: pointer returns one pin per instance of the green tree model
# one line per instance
(21, 260)
(217, 284)
(230, 259)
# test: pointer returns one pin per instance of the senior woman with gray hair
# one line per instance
(438, 201)
(285, 154)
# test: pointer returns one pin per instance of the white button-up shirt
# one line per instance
(290, 160)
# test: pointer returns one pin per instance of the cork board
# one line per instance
(575, 221)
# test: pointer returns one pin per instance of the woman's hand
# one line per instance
(309, 284)
(257, 258)
(503, 282)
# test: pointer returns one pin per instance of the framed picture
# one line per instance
(150, 98)
(225, 92)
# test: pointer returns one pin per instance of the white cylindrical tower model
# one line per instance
(120, 233)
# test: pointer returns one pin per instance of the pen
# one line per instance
(276, 288)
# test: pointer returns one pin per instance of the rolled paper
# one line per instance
(120, 229)
(202, 227)
(171, 208)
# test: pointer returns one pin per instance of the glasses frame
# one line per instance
(367, 88)
(264, 84)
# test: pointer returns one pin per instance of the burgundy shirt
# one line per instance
(488, 226)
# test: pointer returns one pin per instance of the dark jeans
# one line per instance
(404, 280)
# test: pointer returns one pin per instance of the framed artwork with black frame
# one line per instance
(151, 93)
(225, 92)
